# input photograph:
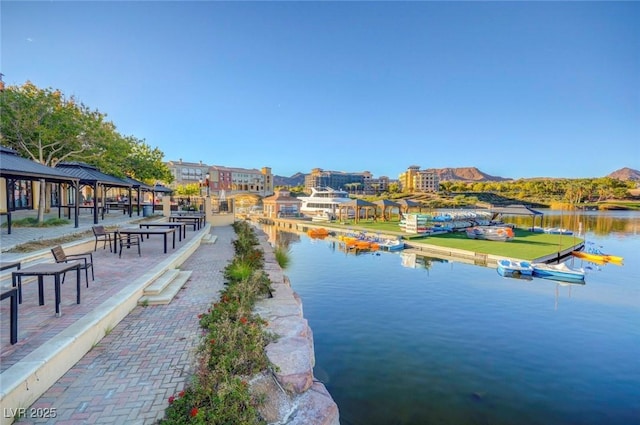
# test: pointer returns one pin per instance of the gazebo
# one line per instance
(140, 187)
(387, 204)
(356, 205)
(88, 175)
(13, 167)
(518, 209)
(407, 204)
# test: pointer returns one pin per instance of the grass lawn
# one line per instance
(526, 245)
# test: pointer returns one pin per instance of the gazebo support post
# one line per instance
(9, 183)
(139, 204)
(76, 213)
(95, 203)
(130, 203)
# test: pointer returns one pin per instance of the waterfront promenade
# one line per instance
(133, 367)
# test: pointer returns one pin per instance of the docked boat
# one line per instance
(558, 272)
(491, 233)
(318, 233)
(599, 258)
(322, 217)
(392, 245)
(557, 231)
(508, 267)
(323, 201)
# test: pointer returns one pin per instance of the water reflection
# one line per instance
(413, 261)
(454, 343)
(618, 223)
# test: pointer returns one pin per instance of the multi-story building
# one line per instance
(416, 180)
(406, 179)
(231, 180)
(426, 181)
(379, 185)
(187, 172)
(361, 183)
(336, 180)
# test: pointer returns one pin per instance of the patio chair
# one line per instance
(85, 259)
(127, 241)
(101, 235)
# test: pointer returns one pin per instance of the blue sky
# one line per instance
(517, 89)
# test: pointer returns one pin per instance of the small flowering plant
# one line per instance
(232, 346)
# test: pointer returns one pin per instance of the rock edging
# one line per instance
(292, 394)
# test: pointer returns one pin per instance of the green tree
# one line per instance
(394, 187)
(446, 186)
(41, 124)
(191, 189)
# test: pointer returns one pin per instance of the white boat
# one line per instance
(323, 201)
(557, 231)
(509, 267)
(392, 245)
(322, 217)
(558, 272)
(491, 233)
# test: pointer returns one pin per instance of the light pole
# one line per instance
(207, 176)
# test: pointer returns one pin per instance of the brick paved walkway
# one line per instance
(129, 375)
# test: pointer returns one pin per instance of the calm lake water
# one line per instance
(452, 343)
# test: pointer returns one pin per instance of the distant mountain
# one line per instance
(451, 174)
(466, 174)
(296, 180)
(626, 174)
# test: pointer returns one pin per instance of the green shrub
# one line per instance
(283, 256)
(231, 348)
(33, 222)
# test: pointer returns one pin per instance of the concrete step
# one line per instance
(209, 238)
(160, 283)
(168, 292)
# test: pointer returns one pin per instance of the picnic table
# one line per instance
(47, 269)
(133, 231)
(196, 220)
(118, 206)
(80, 208)
(182, 227)
(4, 265)
(12, 293)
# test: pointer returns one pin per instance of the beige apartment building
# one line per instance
(220, 180)
(416, 180)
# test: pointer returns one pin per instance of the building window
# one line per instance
(22, 196)
(55, 196)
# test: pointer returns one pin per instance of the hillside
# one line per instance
(296, 180)
(465, 174)
(451, 174)
(626, 174)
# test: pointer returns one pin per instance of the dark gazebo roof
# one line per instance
(14, 166)
(516, 209)
(88, 174)
(162, 189)
(138, 184)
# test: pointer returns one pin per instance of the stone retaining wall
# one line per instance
(293, 395)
